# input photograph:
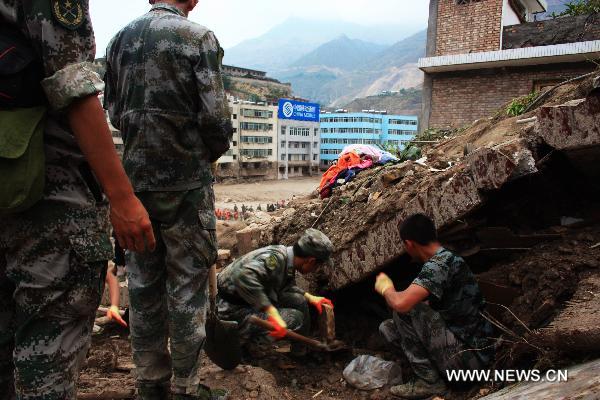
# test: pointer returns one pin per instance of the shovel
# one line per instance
(335, 345)
(222, 337)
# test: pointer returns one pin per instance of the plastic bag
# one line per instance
(367, 372)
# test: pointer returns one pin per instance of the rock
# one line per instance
(288, 212)
(250, 385)
(253, 394)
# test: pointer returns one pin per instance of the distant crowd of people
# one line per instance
(243, 212)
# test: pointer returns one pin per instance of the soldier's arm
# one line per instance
(250, 287)
(109, 93)
(215, 117)
(71, 87)
(405, 300)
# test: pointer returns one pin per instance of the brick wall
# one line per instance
(459, 98)
(467, 28)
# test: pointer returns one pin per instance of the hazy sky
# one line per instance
(236, 20)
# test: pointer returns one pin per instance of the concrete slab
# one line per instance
(583, 383)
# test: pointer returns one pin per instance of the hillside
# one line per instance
(255, 89)
(343, 53)
(391, 69)
(404, 102)
(296, 37)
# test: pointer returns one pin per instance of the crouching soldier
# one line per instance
(263, 283)
(437, 320)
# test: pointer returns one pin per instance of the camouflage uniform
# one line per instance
(165, 93)
(53, 256)
(253, 282)
(442, 335)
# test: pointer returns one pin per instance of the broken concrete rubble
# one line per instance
(367, 238)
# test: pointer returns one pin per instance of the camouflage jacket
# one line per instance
(164, 91)
(259, 277)
(62, 37)
(455, 294)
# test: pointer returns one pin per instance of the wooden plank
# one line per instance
(327, 324)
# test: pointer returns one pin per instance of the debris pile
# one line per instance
(503, 194)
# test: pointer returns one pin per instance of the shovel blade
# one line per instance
(223, 343)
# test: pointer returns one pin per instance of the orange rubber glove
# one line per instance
(317, 301)
(383, 283)
(279, 326)
(113, 314)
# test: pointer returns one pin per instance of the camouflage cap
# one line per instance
(316, 244)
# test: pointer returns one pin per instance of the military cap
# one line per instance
(316, 244)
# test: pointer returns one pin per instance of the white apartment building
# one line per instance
(253, 152)
(299, 148)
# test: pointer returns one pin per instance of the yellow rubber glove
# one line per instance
(274, 314)
(317, 301)
(114, 315)
(383, 283)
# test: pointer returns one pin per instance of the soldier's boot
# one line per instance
(155, 392)
(204, 393)
(419, 389)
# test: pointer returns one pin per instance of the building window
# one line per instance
(234, 116)
(314, 157)
(258, 153)
(316, 131)
(235, 157)
(234, 143)
(253, 113)
(255, 126)
(283, 157)
(283, 144)
(299, 131)
(257, 139)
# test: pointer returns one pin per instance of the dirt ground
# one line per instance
(264, 192)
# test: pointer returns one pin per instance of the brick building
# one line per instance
(483, 53)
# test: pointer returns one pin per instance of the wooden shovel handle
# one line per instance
(212, 287)
(290, 334)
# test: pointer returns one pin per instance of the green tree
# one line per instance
(579, 7)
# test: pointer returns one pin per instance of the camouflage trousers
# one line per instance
(431, 348)
(168, 289)
(291, 305)
(53, 259)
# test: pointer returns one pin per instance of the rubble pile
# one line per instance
(502, 193)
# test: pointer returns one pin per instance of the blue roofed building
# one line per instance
(339, 129)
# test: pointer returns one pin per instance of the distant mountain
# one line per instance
(343, 53)
(402, 102)
(288, 42)
(337, 83)
(406, 51)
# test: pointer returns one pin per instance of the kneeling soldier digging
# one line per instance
(263, 283)
(437, 320)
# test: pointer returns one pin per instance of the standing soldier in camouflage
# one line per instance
(437, 320)
(165, 93)
(263, 283)
(53, 255)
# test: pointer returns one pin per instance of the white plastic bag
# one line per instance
(367, 372)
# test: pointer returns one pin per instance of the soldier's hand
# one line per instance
(132, 225)
(383, 283)
(114, 315)
(318, 302)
